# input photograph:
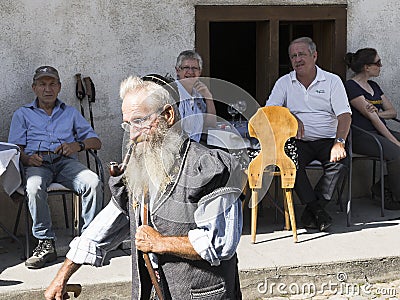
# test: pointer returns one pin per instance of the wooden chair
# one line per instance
(53, 190)
(272, 126)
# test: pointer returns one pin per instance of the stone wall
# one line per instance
(109, 40)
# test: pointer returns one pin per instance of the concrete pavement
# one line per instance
(343, 263)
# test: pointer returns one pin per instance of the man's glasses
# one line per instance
(141, 123)
(187, 69)
(377, 63)
(49, 153)
(299, 55)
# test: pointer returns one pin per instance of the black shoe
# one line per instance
(44, 252)
(308, 219)
(324, 221)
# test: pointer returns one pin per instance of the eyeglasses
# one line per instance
(140, 123)
(377, 63)
(299, 55)
(50, 153)
(187, 69)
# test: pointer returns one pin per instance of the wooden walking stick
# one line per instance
(147, 261)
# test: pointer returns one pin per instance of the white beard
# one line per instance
(152, 160)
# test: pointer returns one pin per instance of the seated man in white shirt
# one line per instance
(318, 100)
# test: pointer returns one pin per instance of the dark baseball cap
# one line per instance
(46, 71)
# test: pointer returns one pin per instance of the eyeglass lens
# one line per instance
(187, 68)
(138, 123)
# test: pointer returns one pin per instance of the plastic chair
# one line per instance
(355, 156)
(374, 159)
(273, 126)
(53, 190)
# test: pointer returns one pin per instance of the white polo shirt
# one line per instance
(317, 106)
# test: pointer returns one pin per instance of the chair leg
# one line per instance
(289, 200)
(65, 211)
(277, 189)
(286, 212)
(382, 189)
(245, 196)
(349, 187)
(373, 171)
(20, 205)
(27, 229)
(254, 208)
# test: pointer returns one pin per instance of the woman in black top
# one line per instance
(370, 108)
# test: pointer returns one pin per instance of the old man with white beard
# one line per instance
(177, 199)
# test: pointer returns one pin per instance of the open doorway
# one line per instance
(247, 45)
(233, 56)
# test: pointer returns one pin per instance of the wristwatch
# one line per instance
(340, 140)
(82, 145)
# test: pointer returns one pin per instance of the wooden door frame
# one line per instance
(267, 49)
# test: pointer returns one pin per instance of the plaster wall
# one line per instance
(109, 40)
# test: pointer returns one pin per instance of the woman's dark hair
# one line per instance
(357, 61)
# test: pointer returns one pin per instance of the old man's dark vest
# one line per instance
(202, 176)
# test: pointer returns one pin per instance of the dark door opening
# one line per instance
(247, 45)
(289, 31)
(233, 56)
(233, 52)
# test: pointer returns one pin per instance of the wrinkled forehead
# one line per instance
(298, 47)
(191, 62)
(135, 103)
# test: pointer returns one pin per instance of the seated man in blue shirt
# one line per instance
(49, 134)
(193, 211)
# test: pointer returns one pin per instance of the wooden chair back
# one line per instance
(272, 126)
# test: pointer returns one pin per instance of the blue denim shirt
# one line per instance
(214, 240)
(33, 128)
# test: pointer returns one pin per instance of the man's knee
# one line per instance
(335, 167)
(34, 185)
(90, 180)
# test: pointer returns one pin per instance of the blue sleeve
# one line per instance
(219, 227)
(108, 229)
(82, 127)
(17, 133)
